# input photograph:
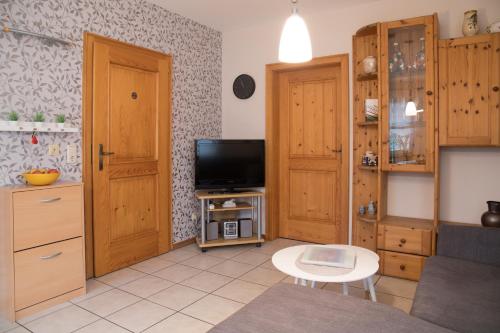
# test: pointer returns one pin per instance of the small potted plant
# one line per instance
(13, 119)
(39, 119)
(60, 120)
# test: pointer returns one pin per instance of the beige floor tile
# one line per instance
(68, 320)
(291, 280)
(102, 326)
(152, 265)
(177, 273)
(121, 277)
(139, 316)
(43, 313)
(395, 301)
(268, 247)
(268, 265)
(397, 287)
(212, 309)
(227, 252)
(177, 297)
(94, 288)
(192, 248)
(252, 258)
(353, 291)
(359, 284)
(240, 291)
(6, 325)
(207, 281)
(109, 302)
(263, 276)
(202, 261)
(177, 255)
(146, 286)
(231, 268)
(19, 329)
(180, 323)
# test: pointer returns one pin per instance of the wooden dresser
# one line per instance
(42, 260)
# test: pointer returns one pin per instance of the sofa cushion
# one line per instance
(292, 309)
(460, 295)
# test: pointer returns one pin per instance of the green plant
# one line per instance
(13, 116)
(39, 117)
(60, 118)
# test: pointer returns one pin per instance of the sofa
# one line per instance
(459, 291)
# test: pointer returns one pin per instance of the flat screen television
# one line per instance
(229, 164)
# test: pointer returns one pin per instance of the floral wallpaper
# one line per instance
(39, 77)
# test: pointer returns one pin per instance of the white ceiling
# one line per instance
(225, 15)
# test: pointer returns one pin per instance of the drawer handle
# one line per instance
(402, 240)
(50, 200)
(51, 256)
(402, 267)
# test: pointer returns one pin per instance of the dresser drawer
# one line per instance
(48, 271)
(404, 239)
(406, 266)
(46, 216)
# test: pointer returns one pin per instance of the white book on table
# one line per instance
(328, 256)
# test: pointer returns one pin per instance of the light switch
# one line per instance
(71, 154)
(54, 150)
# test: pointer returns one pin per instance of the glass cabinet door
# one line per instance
(408, 101)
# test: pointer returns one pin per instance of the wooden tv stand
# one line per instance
(254, 206)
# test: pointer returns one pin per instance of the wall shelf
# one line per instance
(367, 77)
(366, 167)
(367, 123)
(27, 126)
(368, 218)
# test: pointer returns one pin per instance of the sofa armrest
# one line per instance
(473, 243)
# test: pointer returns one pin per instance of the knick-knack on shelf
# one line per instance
(491, 218)
(469, 26)
(372, 209)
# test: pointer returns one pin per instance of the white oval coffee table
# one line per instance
(288, 261)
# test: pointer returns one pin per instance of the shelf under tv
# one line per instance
(224, 242)
(239, 206)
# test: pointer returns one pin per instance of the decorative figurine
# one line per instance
(372, 208)
(362, 210)
(470, 27)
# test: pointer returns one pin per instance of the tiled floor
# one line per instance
(184, 291)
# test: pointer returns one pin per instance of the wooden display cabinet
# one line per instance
(469, 81)
(408, 74)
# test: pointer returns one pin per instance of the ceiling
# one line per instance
(225, 15)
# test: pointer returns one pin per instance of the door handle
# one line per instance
(57, 254)
(50, 200)
(103, 153)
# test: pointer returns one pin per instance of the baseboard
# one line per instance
(183, 243)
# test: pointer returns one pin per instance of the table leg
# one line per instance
(345, 288)
(373, 296)
(296, 281)
(303, 282)
(313, 284)
(365, 284)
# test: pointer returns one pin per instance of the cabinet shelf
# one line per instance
(27, 126)
(367, 218)
(366, 167)
(240, 206)
(408, 222)
(224, 242)
(409, 124)
(367, 77)
(367, 123)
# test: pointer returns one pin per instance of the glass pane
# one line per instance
(406, 95)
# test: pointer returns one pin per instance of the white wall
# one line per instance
(469, 177)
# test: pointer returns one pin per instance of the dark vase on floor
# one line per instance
(491, 218)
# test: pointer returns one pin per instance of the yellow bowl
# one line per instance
(41, 179)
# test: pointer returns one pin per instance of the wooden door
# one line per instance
(469, 79)
(310, 154)
(130, 154)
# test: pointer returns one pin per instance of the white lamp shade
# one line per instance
(410, 109)
(295, 43)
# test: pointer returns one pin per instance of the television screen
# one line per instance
(229, 164)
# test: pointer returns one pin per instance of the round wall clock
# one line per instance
(244, 86)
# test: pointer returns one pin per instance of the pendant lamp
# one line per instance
(295, 43)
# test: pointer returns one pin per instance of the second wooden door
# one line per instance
(130, 154)
(310, 154)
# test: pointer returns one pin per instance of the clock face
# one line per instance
(244, 86)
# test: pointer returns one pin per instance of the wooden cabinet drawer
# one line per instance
(406, 266)
(404, 239)
(48, 271)
(47, 216)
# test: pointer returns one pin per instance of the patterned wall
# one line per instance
(36, 77)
